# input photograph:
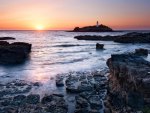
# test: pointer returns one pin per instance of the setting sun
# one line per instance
(39, 27)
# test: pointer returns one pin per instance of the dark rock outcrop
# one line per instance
(14, 53)
(99, 46)
(141, 52)
(134, 38)
(129, 82)
(7, 38)
(102, 38)
(100, 28)
(127, 38)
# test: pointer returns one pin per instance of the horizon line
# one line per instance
(69, 30)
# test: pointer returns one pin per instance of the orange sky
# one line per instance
(67, 14)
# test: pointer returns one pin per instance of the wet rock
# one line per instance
(59, 81)
(83, 110)
(107, 110)
(7, 38)
(135, 100)
(85, 94)
(85, 86)
(47, 99)
(141, 52)
(72, 84)
(117, 101)
(59, 95)
(4, 43)
(81, 102)
(126, 38)
(89, 37)
(55, 109)
(128, 75)
(72, 89)
(22, 46)
(6, 102)
(14, 53)
(19, 100)
(33, 99)
(8, 110)
(94, 111)
(99, 46)
(95, 102)
(134, 37)
(37, 84)
(56, 104)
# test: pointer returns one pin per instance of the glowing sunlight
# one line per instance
(39, 27)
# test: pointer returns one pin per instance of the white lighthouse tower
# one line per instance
(97, 24)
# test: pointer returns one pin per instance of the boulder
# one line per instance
(141, 52)
(99, 46)
(14, 53)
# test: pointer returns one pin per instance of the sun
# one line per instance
(39, 27)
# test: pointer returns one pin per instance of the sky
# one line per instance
(67, 14)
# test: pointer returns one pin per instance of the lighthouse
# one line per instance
(97, 24)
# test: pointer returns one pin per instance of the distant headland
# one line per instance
(95, 28)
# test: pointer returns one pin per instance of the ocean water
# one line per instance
(56, 52)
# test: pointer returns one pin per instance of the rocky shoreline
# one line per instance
(123, 88)
(85, 93)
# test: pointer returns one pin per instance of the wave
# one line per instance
(67, 45)
(67, 62)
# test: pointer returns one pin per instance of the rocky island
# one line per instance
(95, 28)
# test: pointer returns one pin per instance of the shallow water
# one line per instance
(56, 52)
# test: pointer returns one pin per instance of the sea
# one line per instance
(58, 52)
